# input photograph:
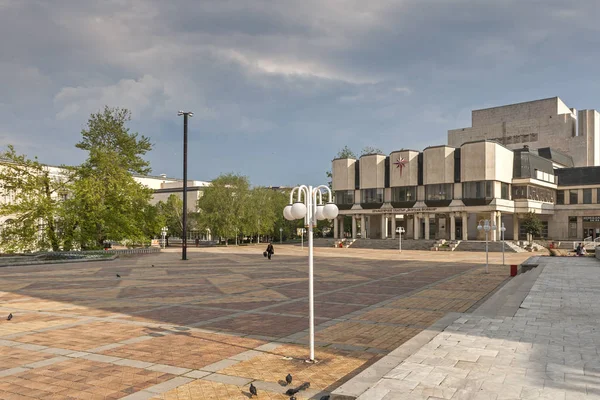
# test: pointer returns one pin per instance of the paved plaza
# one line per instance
(545, 348)
(207, 327)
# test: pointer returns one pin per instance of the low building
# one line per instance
(443, 192)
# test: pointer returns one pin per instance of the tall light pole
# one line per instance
(185, 114)
(308, 208)
(487, 228)
(164, 231)
(502, 229)
(400, 231)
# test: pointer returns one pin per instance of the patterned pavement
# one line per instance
(207, 327)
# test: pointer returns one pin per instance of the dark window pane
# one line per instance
(587, 196)
(573, 196)
(560, 197)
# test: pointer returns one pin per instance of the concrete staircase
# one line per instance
(445, 245)
(472, 245)
(392, 244)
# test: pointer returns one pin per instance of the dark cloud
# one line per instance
(279, 87)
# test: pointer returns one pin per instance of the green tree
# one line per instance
(532, 224)
(224, 206)
(261, 215)
(370, 150)
(107, 201)
(33, 196)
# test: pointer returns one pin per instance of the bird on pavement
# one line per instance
(291, 392)
(293, 398)
(304, 386)
(9, 317)
(253, 390)
(325, 397)
(118, 276)
(288, 379)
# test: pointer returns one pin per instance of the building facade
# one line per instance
(443, 192)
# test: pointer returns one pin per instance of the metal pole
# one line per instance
(184, 243)
(311, 304)
(400, 235)
(486, 252)
(503, 248)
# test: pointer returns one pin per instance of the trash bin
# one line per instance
(513, 270)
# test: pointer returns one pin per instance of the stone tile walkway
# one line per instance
(207, 327)
(549, 348)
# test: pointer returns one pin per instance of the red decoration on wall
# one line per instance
(400, 164)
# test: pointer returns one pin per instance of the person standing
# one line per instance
(270, 250)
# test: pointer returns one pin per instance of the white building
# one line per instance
(538, 156)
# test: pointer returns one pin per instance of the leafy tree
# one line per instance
(33, 197)
(261, 213)
(224, 206)
(107, 202)
(532, 224)
(370, 150)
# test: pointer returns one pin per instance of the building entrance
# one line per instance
(591, 227)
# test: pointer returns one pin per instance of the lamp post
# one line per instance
(487, 228)
(400, 231)
(185, 114)
(164, 231)
(280, 235)
(309, 205)
(502, 229)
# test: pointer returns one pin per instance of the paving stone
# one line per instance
(168, 369)
(232, 380)
(168, 385)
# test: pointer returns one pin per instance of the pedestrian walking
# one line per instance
(270, 251)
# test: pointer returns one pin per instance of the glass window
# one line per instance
(344, 197)
(573, 196)
(405, 193)
(504, 191)
(441, 191)
(372, 196)
(587, 196)
(478, 190)
(560, 197)
(598, 195)
(519, 192)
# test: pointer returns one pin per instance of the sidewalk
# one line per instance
(547, 348)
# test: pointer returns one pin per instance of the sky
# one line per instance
(278, 87)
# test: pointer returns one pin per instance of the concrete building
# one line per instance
(164, 187)
(537, 157)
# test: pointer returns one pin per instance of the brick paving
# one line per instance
(207, 327)
(544, 345)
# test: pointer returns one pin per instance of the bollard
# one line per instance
(513, 270)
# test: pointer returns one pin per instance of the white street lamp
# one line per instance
(400, 231)
(502, 229)
(311, 210)
(487, 228)
(280, 235)
(164, 231)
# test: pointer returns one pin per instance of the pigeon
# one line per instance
(293, 398)
(288, 379)
(291, 392)
(304, 386)
(325, 397)
(118, 276)
(9, 317)
(253, 390)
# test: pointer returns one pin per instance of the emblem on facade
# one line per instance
(400, 164)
